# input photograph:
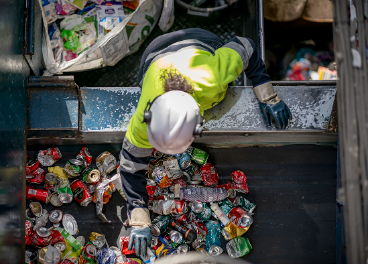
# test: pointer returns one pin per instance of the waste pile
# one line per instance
(75, 26)
(191, 210)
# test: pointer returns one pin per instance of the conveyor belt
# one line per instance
(292, 186)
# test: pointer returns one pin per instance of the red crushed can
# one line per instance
(238, 177)
(80, 193)
(36, 176)
(151, 191)
(40, 195)
(28, 233)
(240, 181)
(209, 175)
(240, 217)
(124, 246)
(155, 243)
(182, 219)
(56, 237)
(49, 156)
(41, 237)
(31, 166)
(180, 207)
(86, 156)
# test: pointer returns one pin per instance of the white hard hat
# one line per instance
(173, 120)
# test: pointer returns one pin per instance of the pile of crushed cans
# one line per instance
(190, 209)
(76, 25)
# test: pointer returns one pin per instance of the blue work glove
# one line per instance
(142, 237)
(278, 110)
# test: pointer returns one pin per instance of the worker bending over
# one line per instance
(182, 74)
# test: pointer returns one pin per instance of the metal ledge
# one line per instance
(94, 115)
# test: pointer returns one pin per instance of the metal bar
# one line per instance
(261, 29)
(305, 83)
(29, 28)
(350, 110)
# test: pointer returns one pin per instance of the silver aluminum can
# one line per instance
(54, 200)
(176, 237)
(70, 225)
(56, 216)
(196, 207)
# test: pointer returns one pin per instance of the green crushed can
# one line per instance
(198, 155)
(88, 254)
(65, 194)
(226, 206)
(73, 168)
(160, 224)
(238, 247)
(240, 201)
(206, 213)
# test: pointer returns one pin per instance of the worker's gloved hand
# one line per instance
(276, 109)
(142, 238)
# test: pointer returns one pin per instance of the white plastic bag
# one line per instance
(122, 40)
(167, 16)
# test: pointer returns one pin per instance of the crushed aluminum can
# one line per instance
(50, 179)
(97, 239)
(106, 256)
(54, 200)
(37, 176)
(28, 232)
(106, 163)
(80, 193)
(65, 194)
(196, 207)
(240, 217)
(85, 156)
(182, 249)
(213, 238)
(29, 215)
(155, 243)
(61, 246)
(69, 224)
(41, 195)
(220, 214)
(124, 243)
(209, 174)
(175, 237)
(91, 176)
(172, 163)
(160, 176)
(31, 166)
(120, 258)
(42, 219)
(160, 224)
(151, 192)
(49, 157)
(81, 240)
(56, 216)
(186, 177)
(181, 219)
(156, 154)
(240, 201)
(73, 168)
(198, 155)
(49, 255)
(183, 160)
(41, 237)
(36, 208)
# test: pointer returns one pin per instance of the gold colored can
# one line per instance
(97, 239)
(92, 176)
(232, 231)
(106, 162)
(50, 178)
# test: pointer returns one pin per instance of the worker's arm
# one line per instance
(255, 70)
(133, 164)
